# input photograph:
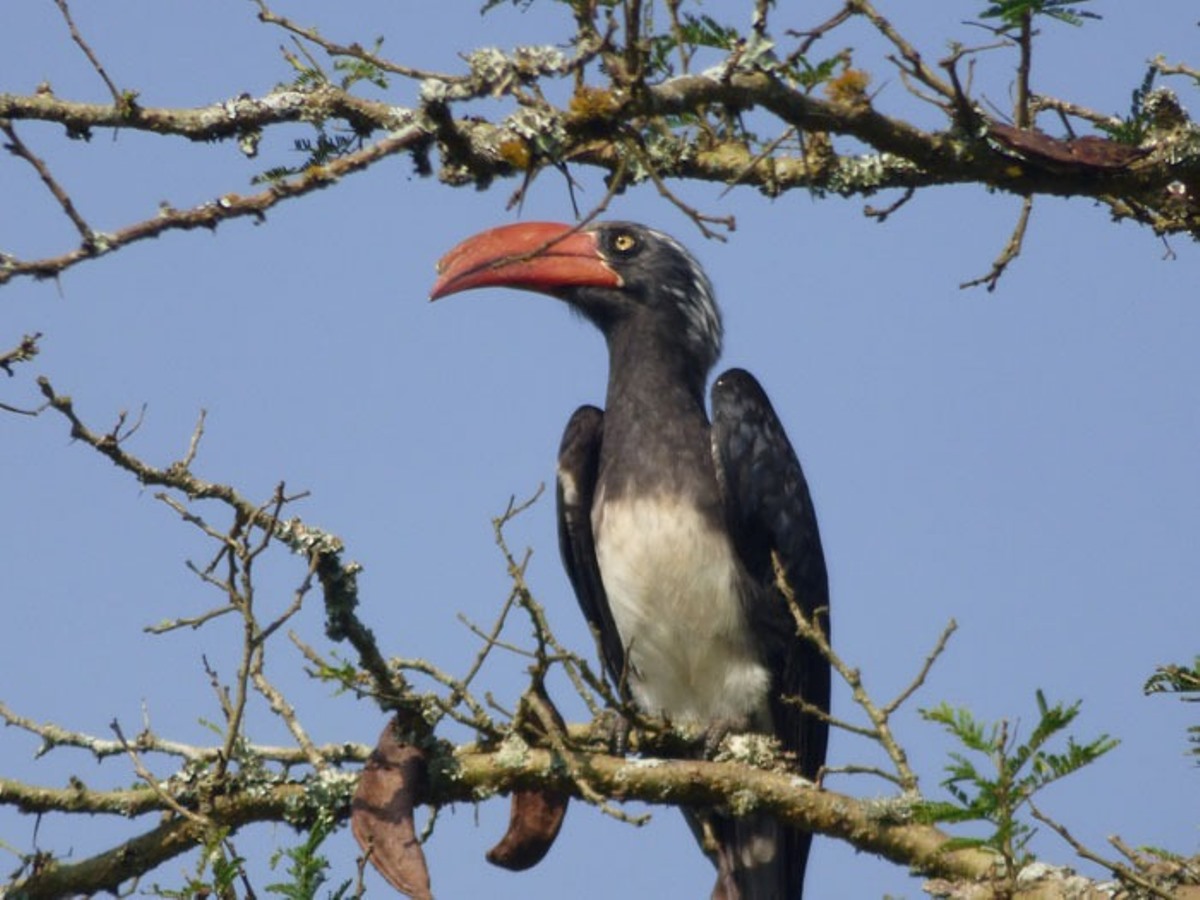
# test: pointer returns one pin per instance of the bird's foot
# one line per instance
(716, 733)
(615, 729)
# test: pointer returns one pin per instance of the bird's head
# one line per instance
(623, 277)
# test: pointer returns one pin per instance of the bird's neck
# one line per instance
(645, 370)
(646, 378)
(656, 431)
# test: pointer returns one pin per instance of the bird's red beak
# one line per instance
(534, 256)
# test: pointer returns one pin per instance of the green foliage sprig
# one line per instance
(1013, 12)
(219, 871)
(307, 867)
(1017, 772)
(1177, 679)
(1135, 127)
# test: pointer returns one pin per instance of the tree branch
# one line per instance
(1157, 184)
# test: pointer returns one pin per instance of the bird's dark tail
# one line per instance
(756, 857)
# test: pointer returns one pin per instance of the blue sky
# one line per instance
(1024, 461)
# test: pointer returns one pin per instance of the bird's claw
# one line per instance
(717, 731)
(615, 729)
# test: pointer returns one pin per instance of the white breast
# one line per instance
(671, 583)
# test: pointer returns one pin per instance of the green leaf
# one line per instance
(1179, 680)
(1175, 679)
(355, 70)
(997, 775)
(1013, 12)
(306, 867)
(705, 31)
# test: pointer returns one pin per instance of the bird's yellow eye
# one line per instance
(624, 242)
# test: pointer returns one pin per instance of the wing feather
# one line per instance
(578, 467)
(771, 516)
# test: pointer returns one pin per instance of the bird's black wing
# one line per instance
(578, 466)
(770, 513)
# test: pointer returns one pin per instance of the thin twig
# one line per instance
(1039, 102)
(87, 51)
(682, 45)
(1138, 859)
(54, 736)
(907, 51)
(18, 148)
(294, 607)
(1122, 871)
(194, 443)
(881, 214)
(154, 784)
(490, 639)
(221, 692)
(21, 412)
(549, 721)
(615, 184)
(919, 680)
(812, 35)
(478, 720)
(208, 215)
(282, 708)
(699, 218)
(758, 21)
(192, 622)
(580, 674)
(852, 769)
(766, 151)
(809, 629)
(811, 709)
(198, 521)
(1010, 252)
(1022, 117)
(1161, 66)
(243, 601)
(26, 350)
(355, 51)
(338, 579)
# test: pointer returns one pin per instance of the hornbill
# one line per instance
(671, 526)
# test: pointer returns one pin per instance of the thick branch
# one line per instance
(917, 157)
(873, 826)
(1158, 184)
(226, 119)
(108, 870)
(868, 825)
